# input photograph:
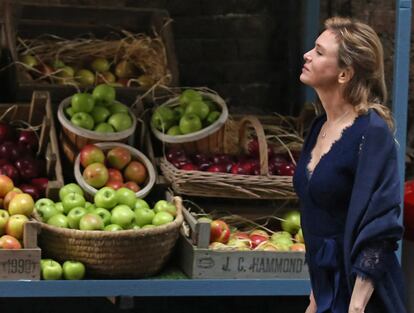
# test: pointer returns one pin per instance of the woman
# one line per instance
(347, 177)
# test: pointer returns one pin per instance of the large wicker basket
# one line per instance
(232, 139)
(119, 254)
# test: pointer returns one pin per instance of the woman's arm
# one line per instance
(312, 308)
(361, 294)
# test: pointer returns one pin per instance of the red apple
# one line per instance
(298, 247)
(114, 184)
(91, 154)
(222, 158)
(28, 167)
(286, 169)
(219, 231)
(6, 185)
(259, 232)
(217, 168)
(9, 242)
(132, 185)
(114, 174)
(118, 157)
(257, 240)
(28, 139)
(40, 183)
(32, 190)
(10, 171)
(175, 154)
(189, 167)
(96, 175)
(135, 171)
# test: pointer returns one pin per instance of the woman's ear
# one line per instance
(345, 75)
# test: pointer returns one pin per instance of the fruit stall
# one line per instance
(102, 196)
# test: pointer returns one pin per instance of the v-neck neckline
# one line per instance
(309, 173)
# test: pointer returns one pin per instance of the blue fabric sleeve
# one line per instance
(372, 262)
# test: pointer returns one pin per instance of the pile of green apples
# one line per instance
(69, 270)
(192, 113)
(87, 74)
(99, 111)
(112, 210)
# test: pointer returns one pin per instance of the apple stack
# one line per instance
(16, 208)
(97, 117)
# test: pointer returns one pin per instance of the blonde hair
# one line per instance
(361, 49)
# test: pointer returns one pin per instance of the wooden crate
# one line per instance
(22, 264)
(39, 112)
(69, 21)
(199, 262)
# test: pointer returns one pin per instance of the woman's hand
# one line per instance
(361, 294)
(312, 308)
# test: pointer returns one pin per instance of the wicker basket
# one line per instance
(206, 184)
(119, 254)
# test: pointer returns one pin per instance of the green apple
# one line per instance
(174, 131)
(120, 121)
(4, 217)
(198, 108)
(89, 206)
(43, 201)
(82, 102)
(143, 216)
(211, 105)
(125, 69)
(126, 196)
(179, 112)
(58, 64)
(100, 65)
(66, 72)
(69, 112)
(283, 243)
(299, 236)
(162, 218)
(141, 203)
(100, 114)
(190, 123)
(51, 270)
(68, 188)
(59, 207)
(291, 222)
(104, 214)
(73, 270)
(148, 226)
(83, 120)
(279, 234)
(122, 215)
(47, 211)
(189, 95)
(105, 198)
(91, 221)
(85, 78)
(118, 107)
(58, 220)
(164, 205)
(107, 78)
(104, 128)
(163, 118)
(113, 227)
(43, 262)
(212, 117)
(104, 94)
(29, 60)
(72, 200)
(74, 217)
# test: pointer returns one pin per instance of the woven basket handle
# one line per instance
(261, 138)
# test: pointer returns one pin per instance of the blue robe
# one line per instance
(350, 207)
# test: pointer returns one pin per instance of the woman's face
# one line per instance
(321, 63)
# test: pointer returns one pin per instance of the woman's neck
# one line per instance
(335, 105)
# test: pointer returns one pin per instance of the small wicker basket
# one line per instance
(206, 184)
(119, 254)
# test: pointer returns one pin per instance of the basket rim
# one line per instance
(120, 234)
(135, 152)
(65, 122)
(202, 133)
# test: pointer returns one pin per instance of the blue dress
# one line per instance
(350, 207)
